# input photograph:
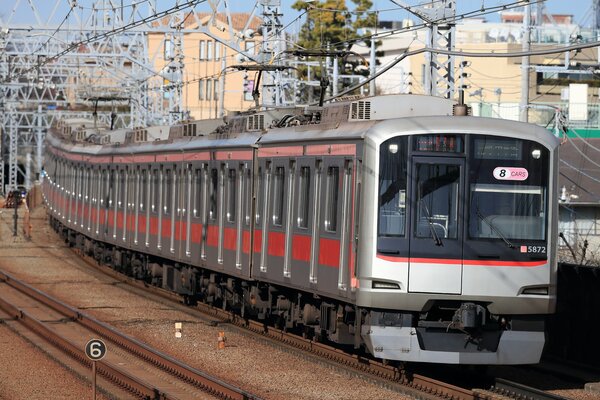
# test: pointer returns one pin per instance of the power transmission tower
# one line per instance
(439, 17)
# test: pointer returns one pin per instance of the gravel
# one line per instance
(247, 361)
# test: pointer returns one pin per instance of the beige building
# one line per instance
(210, 87)
(493, 85)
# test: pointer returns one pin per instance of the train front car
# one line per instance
(457, 256)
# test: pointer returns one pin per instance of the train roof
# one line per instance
(374, 119)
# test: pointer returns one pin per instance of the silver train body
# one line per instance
(384, 223)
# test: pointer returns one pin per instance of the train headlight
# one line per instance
(536, 154)
(393, 148)
(385, 285)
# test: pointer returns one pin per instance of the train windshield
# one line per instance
(507, 189)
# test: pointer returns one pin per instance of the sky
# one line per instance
(580, 9)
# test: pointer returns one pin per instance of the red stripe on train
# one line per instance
(491, 263)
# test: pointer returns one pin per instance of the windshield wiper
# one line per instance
(494, 228)
(434, 234)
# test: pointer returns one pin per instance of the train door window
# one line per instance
(259, 180)
(159, 202)
(143, 190)
(303, 198)
(221, 210)
(204, 211)
(345, 224)
(240, 183)
(331, 201)
(266, 197)
(155, 190)
(247, 176)
(288, 220)
(166, 201)
(231, 195)
(278, 196)
(121, 189)
(188, 206)
(314, 248)
(214, 184)
(197, 212)
(437, 195)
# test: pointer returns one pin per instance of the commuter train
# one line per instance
(385, 224)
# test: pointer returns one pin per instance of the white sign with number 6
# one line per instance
(95, 349)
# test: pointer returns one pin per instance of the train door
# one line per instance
(435, 263)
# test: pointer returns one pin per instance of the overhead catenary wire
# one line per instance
(401, 57)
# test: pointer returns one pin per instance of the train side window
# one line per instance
(214, 184)
(303, 199)
(231, 195)
(278, 196)
(143, 189)
(331, 202)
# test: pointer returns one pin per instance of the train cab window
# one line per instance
(304, 196)
(168, 188)
(214, 185)
(278, 196)
(508, 189)
(393, 165)
(231, 195)
(437, 199)
(331, 202)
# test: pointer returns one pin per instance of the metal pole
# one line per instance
(222, 84)
(94, 379)
(373, 69)
(16, 197)
(39, 142)
(336, 76)
(525, 66)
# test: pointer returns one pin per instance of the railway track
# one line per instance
(520, 391)
(421, 385)
(141, 370)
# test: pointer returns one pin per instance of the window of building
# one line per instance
(202, 55)
(209, 89)
(217, 50)
(215, 89)
(201, 89)
(210, 49)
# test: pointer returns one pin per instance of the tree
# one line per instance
(330, 25)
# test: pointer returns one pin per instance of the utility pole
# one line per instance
(523, 116)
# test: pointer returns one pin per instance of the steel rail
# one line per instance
(198, 378)
(518, 390)
(420, 383)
